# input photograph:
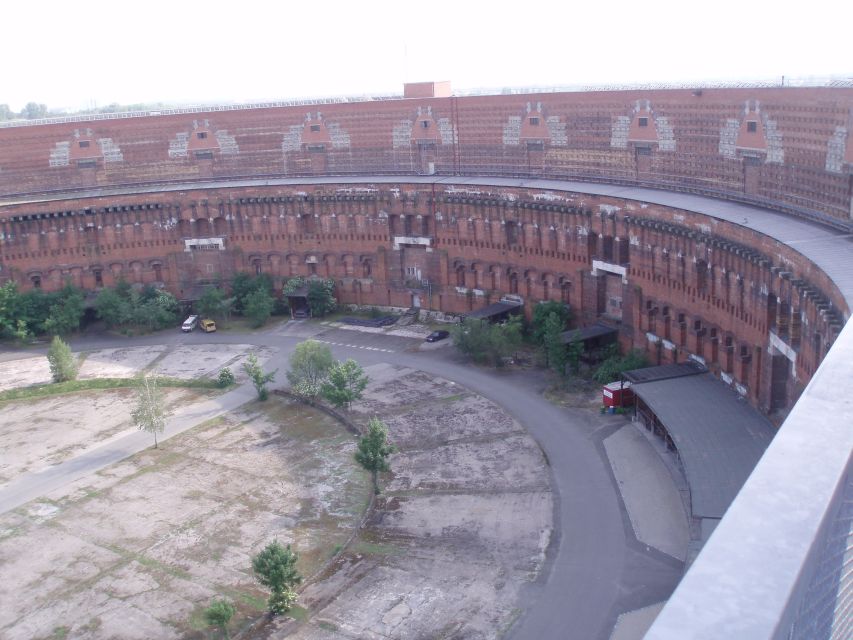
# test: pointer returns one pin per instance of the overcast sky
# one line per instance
(92, 53)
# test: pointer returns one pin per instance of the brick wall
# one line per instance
(720, 292)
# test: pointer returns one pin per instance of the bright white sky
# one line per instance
(70, 54)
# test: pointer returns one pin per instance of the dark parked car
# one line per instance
(435, 336)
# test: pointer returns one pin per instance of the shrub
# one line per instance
(226, 378)
(63, 366)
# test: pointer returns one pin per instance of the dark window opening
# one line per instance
(257, 265)
(644, 151)
(99, 278)
(312, 268)
(36, 282)
(534, 121)
(84, 144)
(511, 233)
(535, 145)
(201, 135)
(86, 164)
(315, 128)
(204, 155)
(424, 124)
(316, 148)
(752, 126)
(644, 122)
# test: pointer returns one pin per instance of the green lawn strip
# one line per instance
(73, 386)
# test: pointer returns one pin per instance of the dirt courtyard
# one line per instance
(138, 549)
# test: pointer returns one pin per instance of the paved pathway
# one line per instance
(33, 485)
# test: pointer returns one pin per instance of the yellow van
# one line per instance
(208, 326)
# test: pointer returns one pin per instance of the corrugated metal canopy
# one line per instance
(664, 372)
(587, 333)
(719, 436)
(493, 310)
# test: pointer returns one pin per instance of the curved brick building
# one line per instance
(628, 205)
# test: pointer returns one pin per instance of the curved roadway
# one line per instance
(595, 569)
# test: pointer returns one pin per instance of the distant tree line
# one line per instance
(36, 110)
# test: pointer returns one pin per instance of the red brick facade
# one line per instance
(787, 147)
(678, 283)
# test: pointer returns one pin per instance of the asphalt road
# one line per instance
(595, 568)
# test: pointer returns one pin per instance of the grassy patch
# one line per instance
(300, 614)
(73, 386)
(327, 626)
(197, 621)
(59, 633)
(250, 599)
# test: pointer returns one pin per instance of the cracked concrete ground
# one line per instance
(462, 524)
(137, 549)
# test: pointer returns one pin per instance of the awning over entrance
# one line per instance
(496, 311)
(718, 435)
(597, 332)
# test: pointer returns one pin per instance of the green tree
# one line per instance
(541, 312)
(6, 113)
(35, 307)
(65, 314)
(257, 376)
(374, 449)
(214, 304)
(485, 342)
(321, 297)
(552, 344)
(33, 110)
(275, 568)
(155, 309)
(612, 367)
(574, 351)
(150, 412)
(63, 364)
(10, 304)
(257, 306)
(242, 284)
(113, 307)
(219, 614)
(310, 363)
(292, 285)
(345, 384)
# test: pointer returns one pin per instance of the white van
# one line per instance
(189, 324)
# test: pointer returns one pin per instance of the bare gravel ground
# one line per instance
(463, 522)
(178, 362)
(137, 550)
(36, 434)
